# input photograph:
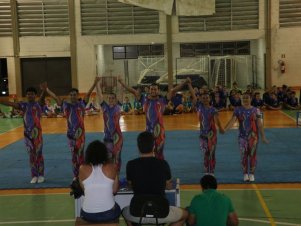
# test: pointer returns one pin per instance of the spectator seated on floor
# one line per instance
(15, 113)
(250, 90)
(273, 103)
(281, 95)
(169, 108)
(138, 108)
(223, 94)
(218, 103)
(144, 94)
(48, 109)
(126, 106)
(58, 110)
(266, 97)
(235, 100)
(235, 89)
(291, 102)
(92, 108)
(2, 114)
(257, 101)
(187, 104)
(177, 101)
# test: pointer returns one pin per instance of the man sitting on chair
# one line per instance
(148, 175)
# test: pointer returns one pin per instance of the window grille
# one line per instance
(43, 17)
(229, 15)
(290, 13)
(108, 17)
(5, 19)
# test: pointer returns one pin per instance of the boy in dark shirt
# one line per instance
(257, 101)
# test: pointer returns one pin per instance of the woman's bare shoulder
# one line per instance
(110, 170)
(84, 171)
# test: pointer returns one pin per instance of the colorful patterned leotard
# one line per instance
(33, 136)
(76, 132)
(248, 136)
(113, 137)
(154, 109)
(208, 138)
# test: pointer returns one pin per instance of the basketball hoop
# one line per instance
(109, 84)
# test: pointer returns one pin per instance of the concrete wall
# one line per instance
(94, 53)
(285, 46)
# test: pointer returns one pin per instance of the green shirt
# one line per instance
(211, 208)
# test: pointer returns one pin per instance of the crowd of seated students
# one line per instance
(175, 105)
(222, 99)
(12, 113)
(275, 98)
(278, 98)
(53, 110)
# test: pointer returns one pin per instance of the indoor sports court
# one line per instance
(215, 43)
(272, 200)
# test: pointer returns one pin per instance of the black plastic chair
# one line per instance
(149, 206)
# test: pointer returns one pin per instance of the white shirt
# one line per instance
(98, 192)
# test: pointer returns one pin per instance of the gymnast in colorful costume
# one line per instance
(32, 111)
(113, 137)
(208, 117)
(74, 111)
(250, 126)
(153, 107)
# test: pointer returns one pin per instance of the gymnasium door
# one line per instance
(55, 70)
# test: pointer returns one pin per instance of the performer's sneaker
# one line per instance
(246, 177)
(251, 177)
(34, 180)
(41, 179)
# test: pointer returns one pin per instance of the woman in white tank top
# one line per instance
(99, 180)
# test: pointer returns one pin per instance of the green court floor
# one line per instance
(7, 125)
(58, 209)
(291, 113)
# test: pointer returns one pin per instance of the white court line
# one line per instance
(72, 220)
(247, 189)
(287, 115)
